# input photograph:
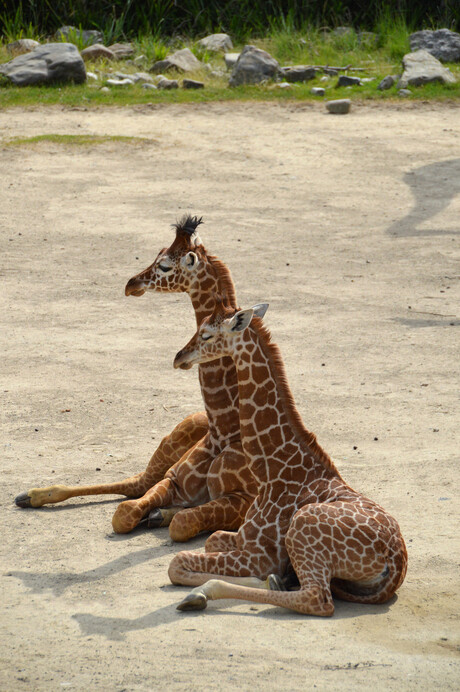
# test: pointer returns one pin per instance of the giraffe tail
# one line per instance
(383, 587)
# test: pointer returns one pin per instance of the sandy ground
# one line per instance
(349, 227)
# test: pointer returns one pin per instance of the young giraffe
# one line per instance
(204, 452)
(305, 516)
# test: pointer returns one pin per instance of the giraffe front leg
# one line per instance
(172, 447)
(221, 542)
(129, 513)
(223, 513)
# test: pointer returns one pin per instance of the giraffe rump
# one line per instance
(188, 224)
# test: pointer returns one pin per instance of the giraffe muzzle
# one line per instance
(180, 361)
(134, 287)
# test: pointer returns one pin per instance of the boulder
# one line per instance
(443, 44)
(97, 51)
(182, 60)
(216, 43)
(339, 106)
(122, 50)
(52, 62)
(22, 46)
(253, 66)
(88, 36)
(298, 73)
(192, 84)
(421, 67)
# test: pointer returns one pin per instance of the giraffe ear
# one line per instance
(260, 309)
(240, 321)
(189, 261)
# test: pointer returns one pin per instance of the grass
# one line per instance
(75, 140)
(378, 55)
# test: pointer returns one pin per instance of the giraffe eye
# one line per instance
(163, 268)
(206, 337)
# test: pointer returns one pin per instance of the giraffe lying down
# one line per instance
(305, 515)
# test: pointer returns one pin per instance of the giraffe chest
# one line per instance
(268, 521)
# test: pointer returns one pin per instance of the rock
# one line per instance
(105, 89)
(231, 59)
(92, 75)
(89, 36)
(122, 50)
(339, 106)
(442, 44)
(52, 62)
(216, 43)
(97, 51)
(317, 91)
(120, 82)
(182, 60)
(404, 92)
(253, 66)
(298, 73)
(387, 82)
(168, 84)
(192, 84)
(147, 85)
(142, 77)
(345, 80)
(283, 85)
(421, 68)
(22, 46)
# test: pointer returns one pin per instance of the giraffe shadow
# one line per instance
(433, 187)
(116, 628)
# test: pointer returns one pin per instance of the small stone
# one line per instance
(97, 51)
(405, 92)
(345, 80)
(339, 106)
(122, 50)
(142, 77)
(387, 82)
(120, 82)
(325, 78)
(105, 89)
(318, 91)
(168, 84)
(298, 73)
(283, 85)
(192, 84)
(92, 75)
(146, 85)
(216, 43)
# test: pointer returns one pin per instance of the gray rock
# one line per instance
(387, 82)
(147, 85)
(298, 73)
(168, 84)
(404, 92)
(89, 36)
(142, 77)
(231, 59)
(22, 46)
(105, 89)
(52, 62)
(318, 91)
(97, 51)
(443, 44)
(182, 60)
(253, 66)
(120, 82)
(192, 84)
(122, 50)
(339, 106)
(92, 75)
(345, 80)
(216, 43)
(421, 68)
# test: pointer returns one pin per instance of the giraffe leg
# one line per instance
(224, 513)
(221, 541)
(191, 568)
(129, 513)
(170, 450)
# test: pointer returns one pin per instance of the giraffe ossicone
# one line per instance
(305, 517)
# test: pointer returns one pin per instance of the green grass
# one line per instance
(379, 56)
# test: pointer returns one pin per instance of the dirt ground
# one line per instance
(349, 227)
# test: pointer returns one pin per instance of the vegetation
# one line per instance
(279, 30)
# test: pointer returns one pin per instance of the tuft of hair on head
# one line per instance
(188, 224)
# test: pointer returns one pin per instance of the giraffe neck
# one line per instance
(274, 438)
(218, 380)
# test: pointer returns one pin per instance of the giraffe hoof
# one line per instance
(275, 583)
(155, 519)
(194, 601)
(23, 500)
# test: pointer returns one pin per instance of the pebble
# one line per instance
(120, 82)
(405, 92)
(345, 80)
(192, 84)
(339, 106)
(318, 91)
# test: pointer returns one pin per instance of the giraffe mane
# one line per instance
(226, 285)
(273, 354)
(188, 224)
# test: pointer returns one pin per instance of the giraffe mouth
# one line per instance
(132, 290)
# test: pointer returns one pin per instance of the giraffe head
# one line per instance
(218, 335)
(176, 268)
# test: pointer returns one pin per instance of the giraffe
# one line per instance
(305, 517)
(199, 472)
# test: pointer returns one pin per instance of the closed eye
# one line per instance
(163, 268)
(206, 337)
